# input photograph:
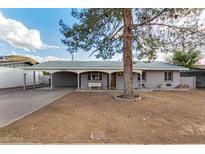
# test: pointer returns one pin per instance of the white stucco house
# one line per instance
(109, 74)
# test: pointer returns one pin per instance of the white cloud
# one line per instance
(202, 61)
(19, 36)
(202, 18)
(168, 56)
(13, 53)
(47, 58)
(165, 57)
(40, 58)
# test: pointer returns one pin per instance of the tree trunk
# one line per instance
(127, 55)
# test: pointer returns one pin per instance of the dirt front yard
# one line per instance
(171, 117)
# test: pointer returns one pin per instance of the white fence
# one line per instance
(13, 77)
(190, 81)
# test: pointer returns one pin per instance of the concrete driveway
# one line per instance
(15, 104)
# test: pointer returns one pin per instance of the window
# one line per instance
(168, 76)
(168, 85)
(143, 76)
(94, 76)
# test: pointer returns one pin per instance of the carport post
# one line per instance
(141, 80)
(34, 79)
(109, 80)
(51, 80)
(78, 81)
(24, 81)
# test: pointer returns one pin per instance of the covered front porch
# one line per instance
(87, 79)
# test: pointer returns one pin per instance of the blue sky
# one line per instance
(40, 31)
(35, 33)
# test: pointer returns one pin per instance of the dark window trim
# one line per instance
(168, 76)
(91, 75)
(143, 76)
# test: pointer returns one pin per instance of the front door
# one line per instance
(113, 81)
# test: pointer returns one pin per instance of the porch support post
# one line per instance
(51, 80)
(110, 81)
(34, 79)
(141, 80)
(24, 81)
(78, 81)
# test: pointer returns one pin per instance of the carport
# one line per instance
(58, 79)
(64, 79)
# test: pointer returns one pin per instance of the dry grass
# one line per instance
(159, 118)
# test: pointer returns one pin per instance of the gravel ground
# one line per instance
(168, 117)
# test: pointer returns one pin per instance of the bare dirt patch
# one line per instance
(121, 98)
(159, 118)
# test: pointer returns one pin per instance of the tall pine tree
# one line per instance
(135, 32)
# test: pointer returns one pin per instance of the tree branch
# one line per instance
(150, 20)
(103, 45)
(113, 37)
(174, 27)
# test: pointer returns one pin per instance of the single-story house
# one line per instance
(4, 58)
(109, 74)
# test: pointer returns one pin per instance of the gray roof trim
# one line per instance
(67, 68)
(103, 65)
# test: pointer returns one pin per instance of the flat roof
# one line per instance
(200, 67)
(103, 65)
(14, 62)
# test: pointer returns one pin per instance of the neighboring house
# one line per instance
(3, 58)
(199, 73)
(15, 64)
(109, 74)
(201, 67)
